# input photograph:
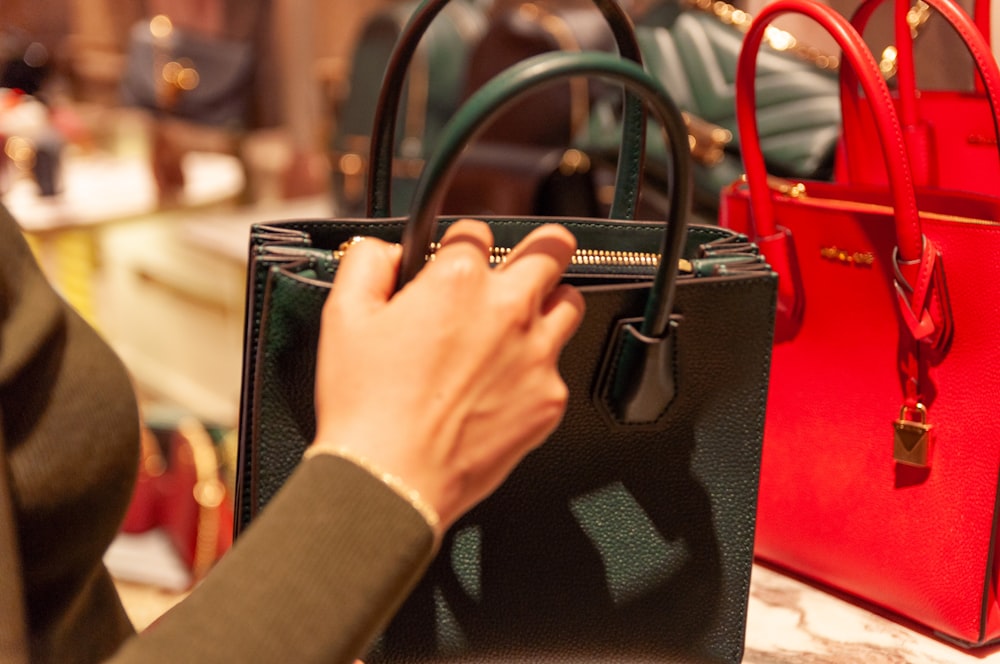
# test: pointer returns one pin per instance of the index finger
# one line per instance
(541, 257)
(367, 272)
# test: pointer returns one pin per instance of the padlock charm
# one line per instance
(913, 438)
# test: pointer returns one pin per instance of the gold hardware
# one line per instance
(913, 438)
(915, 18)
(783, 41)
(783, 186)
(593, 257)
(777, 39)
(862, 258)
(574, 161)
(344, 246)
(707, 141)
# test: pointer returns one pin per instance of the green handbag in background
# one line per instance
(692, 49)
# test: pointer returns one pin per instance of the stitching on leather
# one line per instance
(749, 283)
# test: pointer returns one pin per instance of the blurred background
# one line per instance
(140, 139)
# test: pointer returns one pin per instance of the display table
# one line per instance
(100, 189)
(788, 622)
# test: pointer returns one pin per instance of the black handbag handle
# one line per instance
(511, 85)
(387, 109)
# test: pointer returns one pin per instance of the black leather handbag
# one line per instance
(628, 536)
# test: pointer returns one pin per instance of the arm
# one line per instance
(323, 567)
(426, 399)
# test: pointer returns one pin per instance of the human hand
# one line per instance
(447, 384)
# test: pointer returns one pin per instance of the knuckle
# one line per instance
(459, 269)
(516, 306)
(559, 393)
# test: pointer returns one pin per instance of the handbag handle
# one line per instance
(387, 108)
(513, 84)
(916, 257)
(972, 37)
(860, 59)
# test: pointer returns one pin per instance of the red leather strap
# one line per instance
(922, 307)
(857, 56)
(919, 322)
(972, 34)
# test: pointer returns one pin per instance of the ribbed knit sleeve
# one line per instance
(314, 579)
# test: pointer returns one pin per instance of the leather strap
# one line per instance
(513, 84)
(387, 108)
(919, 278)
(968, 31)
(857, 56)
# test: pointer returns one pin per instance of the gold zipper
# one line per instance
(588, 257)
(797, 190)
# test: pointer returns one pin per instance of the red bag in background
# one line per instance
(880, 464)
(949, 133)
(184, 494)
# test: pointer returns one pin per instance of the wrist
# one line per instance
(392, 481)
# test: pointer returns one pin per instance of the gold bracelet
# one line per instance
(401, 488)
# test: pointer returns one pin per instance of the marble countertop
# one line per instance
(792, 622)
(788, 622)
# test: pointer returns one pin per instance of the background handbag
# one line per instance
(628, 535)
(181, 489)
(879, 472)
(692, 49)
(190, 76)
(949, 132)
(488, 167)
(524, 163)
(433, 91)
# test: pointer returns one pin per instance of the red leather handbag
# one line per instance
(880, 465)
(183, 494)
(949, 133)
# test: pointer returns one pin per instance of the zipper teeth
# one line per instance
(499, 256)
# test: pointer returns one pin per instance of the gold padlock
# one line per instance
(913, 439)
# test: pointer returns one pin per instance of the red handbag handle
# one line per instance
(971, 34)
(857, 55)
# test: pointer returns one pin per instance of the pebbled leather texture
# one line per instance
(634, 545)
(617, 540)
(834, 506)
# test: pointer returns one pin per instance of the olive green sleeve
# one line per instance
(314, 579)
